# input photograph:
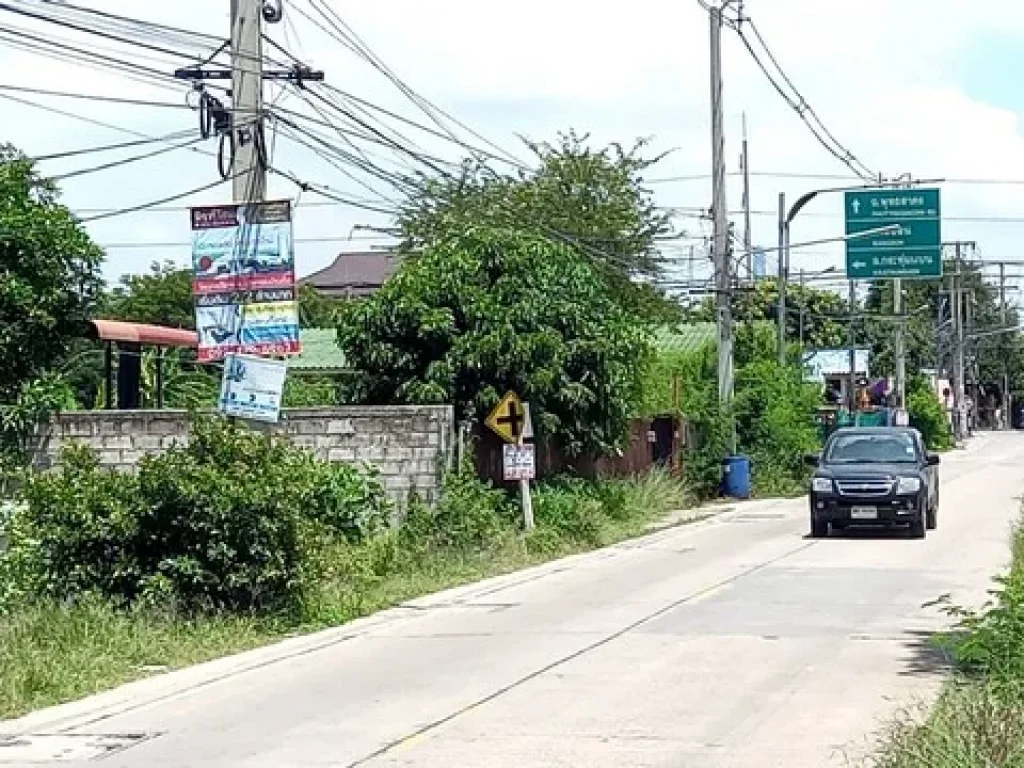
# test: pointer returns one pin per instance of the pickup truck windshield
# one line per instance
(872, 449)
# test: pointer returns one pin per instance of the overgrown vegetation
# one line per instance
(978, 721)
(928, 415)
(772, 412)
(239, 539)
(489, 311)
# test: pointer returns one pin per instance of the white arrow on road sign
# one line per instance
(859, 264)
(856, 206)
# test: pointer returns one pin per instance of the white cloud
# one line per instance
(885, 75)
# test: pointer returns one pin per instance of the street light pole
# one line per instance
(786, 221)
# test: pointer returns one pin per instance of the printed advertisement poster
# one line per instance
(243, 263)
(263, 328)
(252, 387)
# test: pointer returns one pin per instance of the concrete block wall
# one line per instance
(411, 445)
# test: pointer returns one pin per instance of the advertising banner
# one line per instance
(243, 261)
(252, 387)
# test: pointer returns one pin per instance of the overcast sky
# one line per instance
(927, 87)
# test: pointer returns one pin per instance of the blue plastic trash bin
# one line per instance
(736, 478)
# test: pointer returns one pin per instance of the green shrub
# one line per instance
(989, 643)
(224, 523)
(775, 426)
(469, 515)
(572, 512)
(71, 532)
(928, 415)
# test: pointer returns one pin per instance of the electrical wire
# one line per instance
(126, 160)
(93, 97)
(340, 31)
(143, 206)
(800, 105)
(108, 147)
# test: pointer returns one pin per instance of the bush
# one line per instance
(224, 523)
(928, 415)
(470, 514)
(775, 426)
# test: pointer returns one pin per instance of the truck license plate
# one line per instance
(864, 513)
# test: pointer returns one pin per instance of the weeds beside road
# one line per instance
(70, 641)
(978, 721)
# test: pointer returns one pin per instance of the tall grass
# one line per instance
(53, 653)
(978, 721)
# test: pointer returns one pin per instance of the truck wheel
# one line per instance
(933, 517)
(819, 529)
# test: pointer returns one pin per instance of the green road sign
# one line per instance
(914, 249)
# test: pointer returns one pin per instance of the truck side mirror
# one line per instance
(812, 459)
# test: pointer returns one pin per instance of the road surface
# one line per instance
(736, 642)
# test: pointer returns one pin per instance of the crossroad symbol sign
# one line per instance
(508, 418)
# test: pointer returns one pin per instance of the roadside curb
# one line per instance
(149, 691)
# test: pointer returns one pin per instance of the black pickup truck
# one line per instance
(874, 476)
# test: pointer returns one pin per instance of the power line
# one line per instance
(161, 201)
(108, 147)
(93, 97)
(126, 160)
(800, 105)
(129, 246)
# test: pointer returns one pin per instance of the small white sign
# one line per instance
(252, 387)
(519, 462)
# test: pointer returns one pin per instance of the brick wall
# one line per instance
(410, 444)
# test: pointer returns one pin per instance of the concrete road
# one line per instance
(733, 642)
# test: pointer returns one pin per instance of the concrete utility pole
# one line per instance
(1004, 395)
(852, 351)
(748, 247)
(959, 383)
(899, 351)
(722, 250)
(250, 162)
(783, 250)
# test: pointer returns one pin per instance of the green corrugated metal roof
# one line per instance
(320, 351)
(686, 338)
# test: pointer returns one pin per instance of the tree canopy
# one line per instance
(592, 201)
(163, 296)
(815, 317)
(51, 275)
(495, 310)
(989, 353)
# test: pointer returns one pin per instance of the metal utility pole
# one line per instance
(748, 247)
(783, 249)
(249, 184)
(899, 351)
(723, 266)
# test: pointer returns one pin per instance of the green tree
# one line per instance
(592, 201)
(496, 310)
(989, 353)
(51, 275)
(162, 296)
(317, 310)
(815, 317)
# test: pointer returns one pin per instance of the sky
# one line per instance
(925, 87)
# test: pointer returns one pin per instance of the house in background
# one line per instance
(831, 368)
(353, 275)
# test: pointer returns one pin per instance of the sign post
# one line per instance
(913, 250)
(510, 420)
